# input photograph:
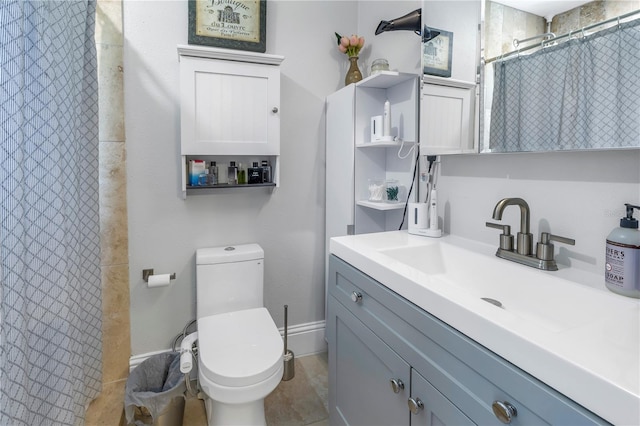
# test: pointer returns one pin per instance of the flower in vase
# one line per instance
(350, 45)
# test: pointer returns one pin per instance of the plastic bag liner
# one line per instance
(153, 385)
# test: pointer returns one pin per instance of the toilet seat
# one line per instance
(239, 348)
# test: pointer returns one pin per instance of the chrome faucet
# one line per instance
(543, 258)
(524, 243)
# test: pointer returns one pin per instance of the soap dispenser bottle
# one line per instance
(622, 267)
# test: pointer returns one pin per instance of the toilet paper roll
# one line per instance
(159, 280)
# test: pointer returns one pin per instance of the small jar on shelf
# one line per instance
(377, 191)
(392, 191)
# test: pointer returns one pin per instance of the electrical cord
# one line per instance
(408, 152)
(413, 180)
(182, 335)
(431, 159)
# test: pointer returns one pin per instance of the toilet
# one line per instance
(239, 346)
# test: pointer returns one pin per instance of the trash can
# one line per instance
(155, 392)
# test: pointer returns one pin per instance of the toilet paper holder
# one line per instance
(146, 273)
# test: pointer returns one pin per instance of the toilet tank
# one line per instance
(229, 279)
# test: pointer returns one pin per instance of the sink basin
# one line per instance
(535, 296)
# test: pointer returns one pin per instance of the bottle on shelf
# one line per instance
(255, 173)
(242, 175)
(196, 168)
(266, 172)
(212, 177)
(232, 173)
(203, 178)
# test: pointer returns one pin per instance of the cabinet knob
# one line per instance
(356, 296)
(397, 385)
(504, 411)
(274, 110)
(415, 405)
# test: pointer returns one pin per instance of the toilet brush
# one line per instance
(289, 370)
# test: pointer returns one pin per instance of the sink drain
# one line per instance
(493, 301)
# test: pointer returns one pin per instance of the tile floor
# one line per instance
(297, 402)
(301, 401)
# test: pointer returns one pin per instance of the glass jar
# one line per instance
(379, 65)
(377, 190)
(392, 189)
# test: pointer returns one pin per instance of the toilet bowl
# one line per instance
(239, 346)
(240, 364)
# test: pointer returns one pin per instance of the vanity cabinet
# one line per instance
(377, 338)
(447, 116)
(229, 107)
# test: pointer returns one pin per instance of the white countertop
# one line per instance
(595, 363)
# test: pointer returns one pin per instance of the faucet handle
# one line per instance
(544, 249)
(506, 239)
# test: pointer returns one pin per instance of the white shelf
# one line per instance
(384, 144)
(380, 206)
(385, 79)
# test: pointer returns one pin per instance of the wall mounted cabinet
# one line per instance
(447, 117)
(229, 108)
(392, 363)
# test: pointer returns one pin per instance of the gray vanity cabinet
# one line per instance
(377, 338)
(362, 391)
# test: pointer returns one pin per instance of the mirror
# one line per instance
(531, 28)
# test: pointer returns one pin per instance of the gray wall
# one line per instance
(164, 230)
(577, 195)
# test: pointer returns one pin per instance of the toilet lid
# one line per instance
(239, 348)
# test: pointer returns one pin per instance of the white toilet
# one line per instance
(239, 346)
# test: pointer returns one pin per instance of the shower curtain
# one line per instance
(50, 289)
(583, 93)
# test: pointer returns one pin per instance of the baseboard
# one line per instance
(306, 339)
(302, 339)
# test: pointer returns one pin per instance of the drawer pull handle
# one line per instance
(397, 385)
(356, 296)
(415, 405)
(274, 110)
(504, 411)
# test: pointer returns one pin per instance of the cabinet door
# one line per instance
(447, 120)
(434, 409)
(361, 368)
(229, 107)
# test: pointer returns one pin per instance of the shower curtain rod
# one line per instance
(556, 38)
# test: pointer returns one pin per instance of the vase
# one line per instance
(353, 74)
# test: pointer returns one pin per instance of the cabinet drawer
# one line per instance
(466, 373)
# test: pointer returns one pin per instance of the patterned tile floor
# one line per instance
(298, 402)
(301, 401)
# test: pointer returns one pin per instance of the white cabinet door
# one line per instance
(229, 107)
(447, 117)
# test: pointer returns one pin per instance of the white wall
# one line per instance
(165, 231)
(578, 195)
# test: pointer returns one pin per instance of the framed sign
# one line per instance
(437, 53)
(233, 24)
